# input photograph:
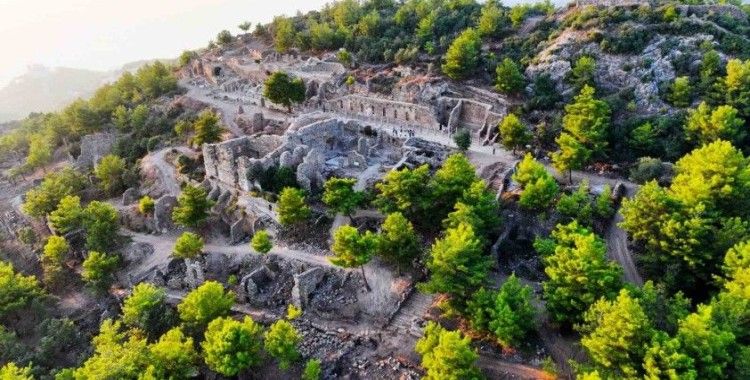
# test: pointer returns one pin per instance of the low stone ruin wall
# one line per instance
(383, 110)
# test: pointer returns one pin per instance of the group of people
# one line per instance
(401, 131)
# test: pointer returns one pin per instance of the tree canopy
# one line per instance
(204, 304)
(231, 346)
(447, 354)
(282, 89)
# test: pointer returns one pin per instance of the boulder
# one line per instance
(130, 196)
(163, 212)
(136, 252)
(237, 232)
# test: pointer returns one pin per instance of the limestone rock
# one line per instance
(237, 232)
(136, 252)
(130, 196)
(163, 212)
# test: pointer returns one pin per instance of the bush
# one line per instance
(146, 205)
(647, 169)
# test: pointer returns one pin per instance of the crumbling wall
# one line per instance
(383, 110)
(229, 161)
(94, 147)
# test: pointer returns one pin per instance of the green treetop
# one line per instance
(16, 290)
(704, 125)
(587, 121)
(717, 175)
(579, 272)
(571, 156)
(192, 207)
(44, 198)
(511, 312)
(280, 88)
(98, 269)
(109, 171)
(146, 308)
(404, 191)
(339, 195)
(582, 72)
(457, 264)
(231, 346)
(146, 205)
(399, 243)
(478, 207)
(11, 371)
(292, 208)
(188, 246)
(462, 57)
(737, 85)
(261, 242)
(447, 354)
(173, 356)
(116, 354)
(207, 128)
(352, 249)
(616, 334)
(101, 222)
(449, 183)
(205, 303)
(491, 19)
(68, 216)
(679, 92)
(513, 133)
(53, 257)
(281, 342)
(509, 78)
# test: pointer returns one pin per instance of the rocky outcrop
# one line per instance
(130, 196)
(163, 212)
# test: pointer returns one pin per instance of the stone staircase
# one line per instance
(410, 318)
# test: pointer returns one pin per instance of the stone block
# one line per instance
(304, 284)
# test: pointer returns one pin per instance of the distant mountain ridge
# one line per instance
(45, 89)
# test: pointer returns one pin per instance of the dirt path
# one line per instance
(156, 161)
(163, 245)
(617, 249)
(228, 107)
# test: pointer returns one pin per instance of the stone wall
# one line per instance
(476, 116)
(308, 150)
(94, 147)
(383, 110)
(229, 161)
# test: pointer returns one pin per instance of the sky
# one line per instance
(105, 34)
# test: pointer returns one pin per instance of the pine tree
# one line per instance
(192, 207)
(513, 133)
(457, 264)
(292, 208)
(447, 354)
(462, 57)
(509, 78)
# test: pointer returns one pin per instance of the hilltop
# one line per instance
(378, 190)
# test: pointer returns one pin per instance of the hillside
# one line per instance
(395, 190)
(43, 89)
